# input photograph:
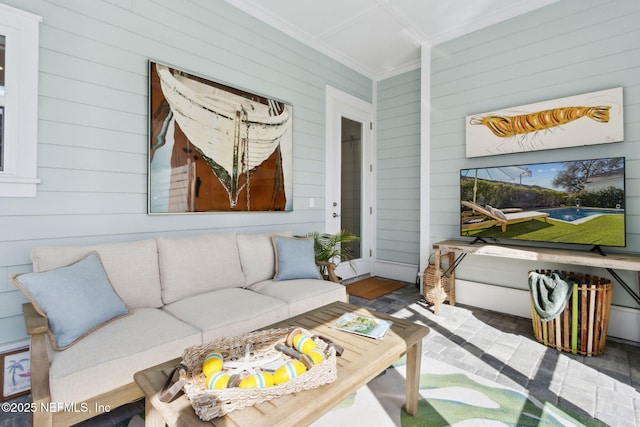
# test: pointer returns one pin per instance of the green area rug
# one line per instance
(448, 397)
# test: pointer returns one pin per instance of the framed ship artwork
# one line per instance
(215, 148)
(587, 119)
(16, 373)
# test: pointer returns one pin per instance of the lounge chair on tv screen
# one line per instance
(498, 216)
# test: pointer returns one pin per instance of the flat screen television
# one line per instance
(581, 202)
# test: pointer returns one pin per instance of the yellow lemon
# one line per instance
(288, 371)
(303, 343)
(217, 381)
(212, 363)
(259, 380)
(316, 355)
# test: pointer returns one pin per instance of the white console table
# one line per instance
(562, 256)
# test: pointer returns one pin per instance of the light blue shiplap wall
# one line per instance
(567, 48)
(398, 168)
(92, 151)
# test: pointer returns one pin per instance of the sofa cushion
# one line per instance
(76, 299)
(132, 267)
(498, 213)
(302, 295)
(295, 259)
(198, 264)
(257, 256)
(228, 312)
(108, 358)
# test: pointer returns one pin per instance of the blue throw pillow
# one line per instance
(295, 259)
(76, 299)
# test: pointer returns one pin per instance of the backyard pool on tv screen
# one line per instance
(577, 215)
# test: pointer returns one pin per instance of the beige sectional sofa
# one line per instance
(179, 292)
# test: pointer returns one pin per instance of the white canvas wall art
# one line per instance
(587, 119)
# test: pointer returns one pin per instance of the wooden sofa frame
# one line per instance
(44, 413)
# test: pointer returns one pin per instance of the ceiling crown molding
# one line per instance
(261, 13)
(409, 25)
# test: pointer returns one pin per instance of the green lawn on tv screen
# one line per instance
(604, 230)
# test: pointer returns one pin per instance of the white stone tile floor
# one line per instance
(501, 348)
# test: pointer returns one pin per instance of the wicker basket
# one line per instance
(582, 327)
(429, 282)
(209, 404)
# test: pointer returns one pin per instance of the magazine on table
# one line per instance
(362, 325)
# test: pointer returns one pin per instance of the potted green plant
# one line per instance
(331, 249)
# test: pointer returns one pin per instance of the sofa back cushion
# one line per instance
(132, 267)
(257, 256)
(197, 264)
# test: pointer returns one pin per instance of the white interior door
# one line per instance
(349, 176)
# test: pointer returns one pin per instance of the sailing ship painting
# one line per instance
(216, 148)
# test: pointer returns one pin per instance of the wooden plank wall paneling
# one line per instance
(398, 168)
(567, 48)
(92, 151)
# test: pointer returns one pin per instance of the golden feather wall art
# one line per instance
(587, 119)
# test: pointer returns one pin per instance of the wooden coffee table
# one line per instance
(363, 359)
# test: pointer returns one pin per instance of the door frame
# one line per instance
(341, 104)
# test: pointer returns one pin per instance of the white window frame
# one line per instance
(20, 143)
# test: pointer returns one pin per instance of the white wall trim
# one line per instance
(341, 104)
(21, 29)
(395, 270)
(425, 157)
(15, 345)
(623, 321)
(261, 11)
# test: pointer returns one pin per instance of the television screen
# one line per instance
(578, 202)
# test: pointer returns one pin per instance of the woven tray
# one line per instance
(209, 404)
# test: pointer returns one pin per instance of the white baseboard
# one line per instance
(495, 298)
(623, 321)
(395, 270)
(16, 345)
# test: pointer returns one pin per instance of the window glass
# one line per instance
(2, 65)
(351, 182)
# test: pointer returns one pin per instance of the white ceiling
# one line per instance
(380, 38)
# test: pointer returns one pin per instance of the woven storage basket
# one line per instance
(582, 327)
(209, 404)
(429, 282)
